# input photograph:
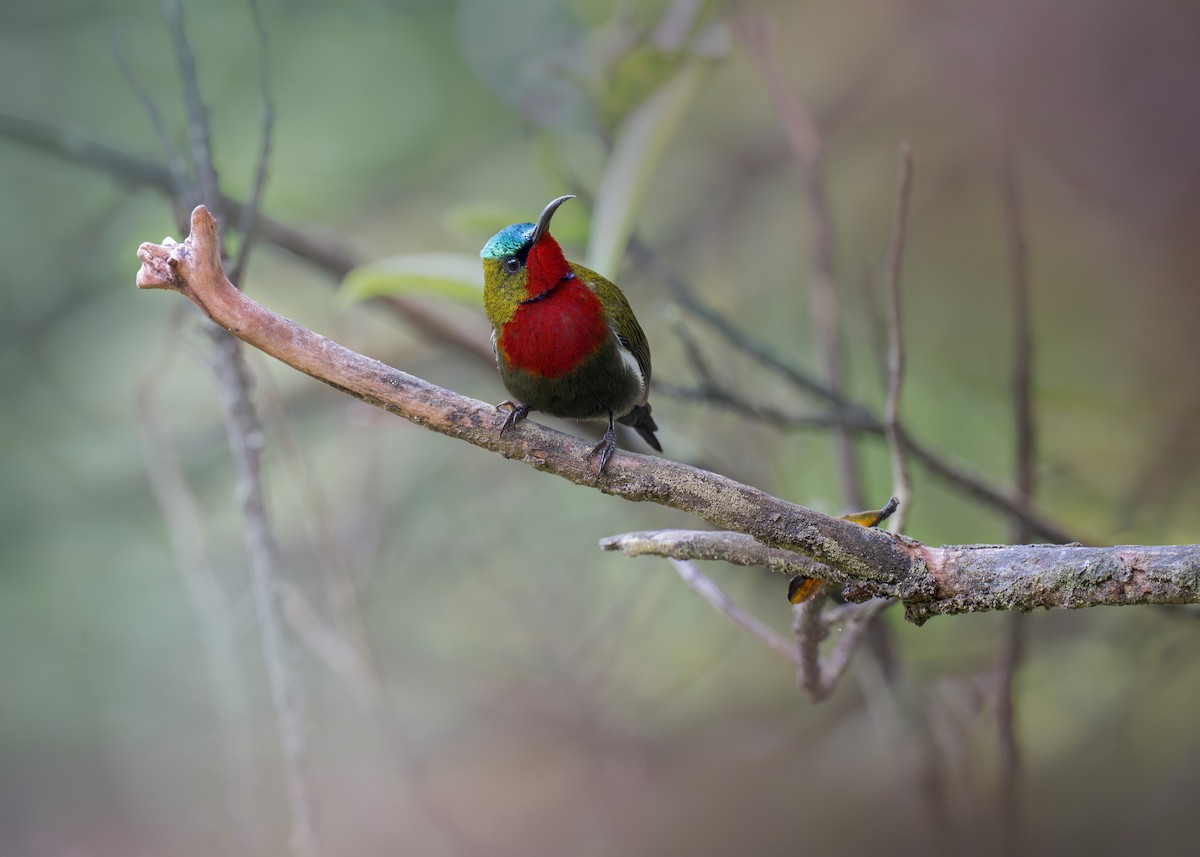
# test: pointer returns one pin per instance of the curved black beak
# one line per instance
(543, 221)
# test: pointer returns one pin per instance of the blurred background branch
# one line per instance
(245, 436)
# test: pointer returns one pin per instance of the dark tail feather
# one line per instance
(639, 420)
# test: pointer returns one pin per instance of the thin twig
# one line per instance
(726, 397)
(901, 482)
(842, 613)
(744, 342)
(695, 357)
(722, 603)
(204, 170)
(248, 218)
(712, 391)
(179, 181)
(804, 140)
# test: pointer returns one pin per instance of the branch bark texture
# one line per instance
(971, 578)
(869, 561)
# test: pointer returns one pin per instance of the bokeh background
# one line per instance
(477, 677)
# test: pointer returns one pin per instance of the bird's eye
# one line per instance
(512, 265)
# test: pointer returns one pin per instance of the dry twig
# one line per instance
(703, 586)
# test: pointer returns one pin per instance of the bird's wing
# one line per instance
(622, 322)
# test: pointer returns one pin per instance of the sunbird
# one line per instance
(566, 340)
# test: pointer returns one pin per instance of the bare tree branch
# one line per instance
(193, 268)
(930, 580)
(969, 578)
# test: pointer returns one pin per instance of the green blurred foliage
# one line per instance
(542, 696)
(448, 275)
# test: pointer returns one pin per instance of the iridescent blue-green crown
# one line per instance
(507, 241)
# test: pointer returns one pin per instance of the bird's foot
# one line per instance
(605, 448)
(516, 413)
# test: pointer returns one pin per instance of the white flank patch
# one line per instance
(631, 363)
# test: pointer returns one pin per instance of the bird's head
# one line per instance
(521, 262)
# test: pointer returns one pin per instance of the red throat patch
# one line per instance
(545, 266)
(554, 334)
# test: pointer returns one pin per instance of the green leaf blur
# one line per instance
(452, 276)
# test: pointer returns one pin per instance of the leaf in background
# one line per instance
(639, 146)
(457, 276)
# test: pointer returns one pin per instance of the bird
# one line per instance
(566, 340)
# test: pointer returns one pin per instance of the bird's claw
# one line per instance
(516, 413)
(605, 448)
